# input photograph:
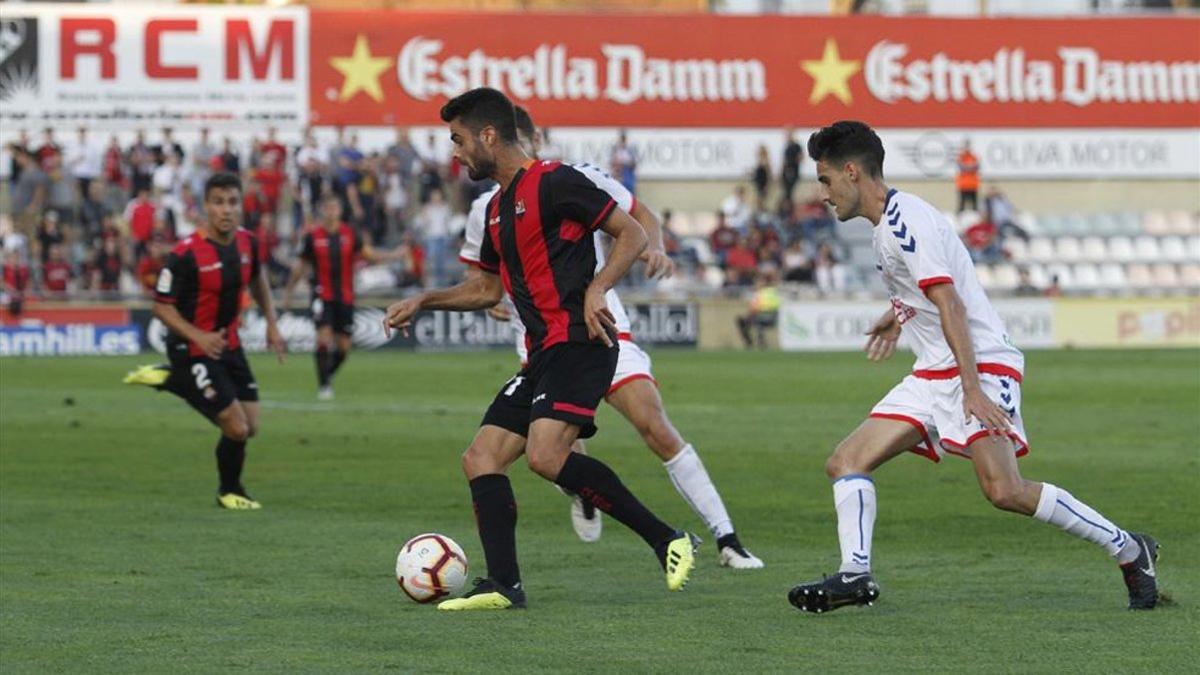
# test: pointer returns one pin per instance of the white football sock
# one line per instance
(854, 499)
(1058, 507)
(691, 479)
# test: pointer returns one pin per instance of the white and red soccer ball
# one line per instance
(431, 566)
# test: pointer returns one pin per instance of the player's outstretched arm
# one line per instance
(260, 289)
(954, 325)
(658, 263)
(629, 240)
(881, 339)
(477, 291)
(212, 343)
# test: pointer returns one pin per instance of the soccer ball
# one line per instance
(431, 566)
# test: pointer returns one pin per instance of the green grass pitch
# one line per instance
(113, 557)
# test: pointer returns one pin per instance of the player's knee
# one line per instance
(841, 462)
(474, 461)
(544, 462)
(1003, 494)
(236, 430)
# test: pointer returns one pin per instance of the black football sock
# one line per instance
(337, 358)
(323, 361)
(496, 518)
(730, 540)
(596, 484)
(231, 456)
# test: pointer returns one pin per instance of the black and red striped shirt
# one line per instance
(205, 281)
(332, 256)
(539, 240)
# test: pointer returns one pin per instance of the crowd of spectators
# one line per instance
(90, 214)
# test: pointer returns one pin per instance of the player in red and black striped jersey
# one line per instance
(198, 297)
(330, 250)
(539, 247)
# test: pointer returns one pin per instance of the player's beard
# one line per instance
(481, 168)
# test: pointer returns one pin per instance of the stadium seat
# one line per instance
(703, 223)
(1086, 277)
(1102, 223)
(714, 277)
(1156, 223)
(1029, 223)
(1146, 249)
(1041, 250)
(1038, 276)
(1005, 277)
(966, 219)
(1182, 222)
(1165, 276)
(704, 253)
(1066, 280)
(1017, 249)
(1189, 276)
(1112, 277)
(1138, 276)
(1076, 224)
(1051, 224)
(1129, 223)
(1120, 249)
(1173, 249)
(1094, 250)
(1067, 249)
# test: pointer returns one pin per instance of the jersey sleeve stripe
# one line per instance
(494, 269)
(165, 299)
(924, 284)
(468, 261)
(574, 409)
(603, 214)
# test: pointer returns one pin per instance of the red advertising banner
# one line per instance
(378, 68)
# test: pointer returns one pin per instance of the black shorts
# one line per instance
(337, 315)
(565, 382)
(210, 385)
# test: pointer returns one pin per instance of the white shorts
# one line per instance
(935, 408)
(632, 364)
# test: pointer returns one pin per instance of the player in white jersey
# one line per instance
(634, 392)
(964, 394)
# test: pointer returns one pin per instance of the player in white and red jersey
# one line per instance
(634, 392)
(964, 394)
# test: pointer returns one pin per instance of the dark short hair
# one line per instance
(222, 179)
(481, 108)
(848, 140)
(524, 121)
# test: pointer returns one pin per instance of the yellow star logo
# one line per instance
(360, 71)
(831, 75)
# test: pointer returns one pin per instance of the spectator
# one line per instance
(56, 272)
(670, 239)
(367, 190)
(722, 238)
(272, 153)
(741, 264)
(622, 162)
(309, 151)
(763, 312)
(49, 149)
(30, 192)
(268, 245)
(1054, 290)
(430, 178)
(228, 160)
(168, 179)
(150, 265)
(412, 259)
(11, 239)
(310, 184)
(1025, 287)
(115, 178)
(93, 209)
(737, 211)
(201, 162)
(270, 179)
(254, 204)
(761, 178)
(395, 193)
(346, 177)
(434, 224)
(85, 161)
(789, 172)
(107, 265)
(983, 242)
(141, 164)
(15, 281)
(16, 149)
(404, 155)
(60, 190)
(1000, 211)
(829, 273)
(797, 265)
(186, 213)
(140, 214)
(967, 180)
(49, 234)
(168, 147)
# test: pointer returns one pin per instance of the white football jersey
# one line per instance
(476, 225)
(916, 248)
